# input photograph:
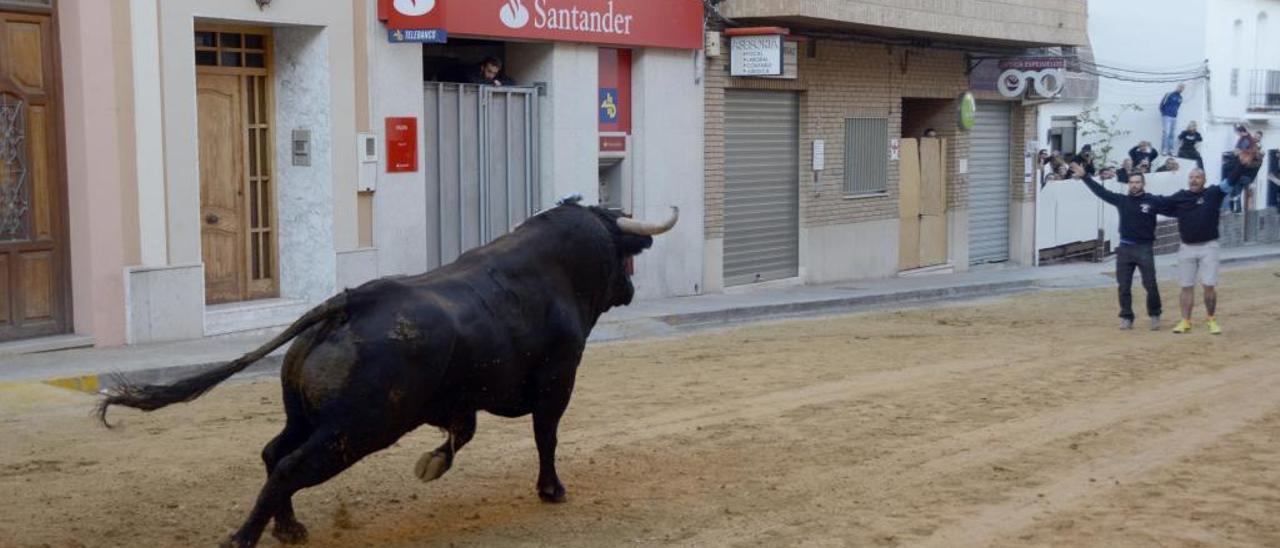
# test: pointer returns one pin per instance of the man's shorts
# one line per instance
(1198, 260)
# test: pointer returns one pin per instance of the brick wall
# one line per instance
(845, 80)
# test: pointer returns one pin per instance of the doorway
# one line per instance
(237, 191)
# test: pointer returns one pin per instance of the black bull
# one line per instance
(502, 329)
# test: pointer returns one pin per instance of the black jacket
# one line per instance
(1197, 213)
(1137, 155)
(1137, 213)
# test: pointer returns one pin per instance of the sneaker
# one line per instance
(1182, 327)
(1214, 329)
(1126, 323)
(1155, 323)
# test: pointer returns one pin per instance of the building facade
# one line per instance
(1227, 53)
(820, 174)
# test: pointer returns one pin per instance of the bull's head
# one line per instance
(630, 238)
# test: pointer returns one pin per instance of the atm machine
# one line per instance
(615, 172)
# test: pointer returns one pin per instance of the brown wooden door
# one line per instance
(237, 194)
(34, 293)
(220, 105)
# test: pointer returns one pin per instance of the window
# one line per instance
(230, 49)
(866, 156)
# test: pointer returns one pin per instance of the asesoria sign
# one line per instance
(653, 23)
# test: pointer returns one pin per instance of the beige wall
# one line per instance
(94, 168)
(1053, 22)
(844, 80)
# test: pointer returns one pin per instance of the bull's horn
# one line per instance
(641, 228)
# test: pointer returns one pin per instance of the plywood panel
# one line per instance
(931, 169)
(933, 240)
(25, 57)
(37, 286)
(6, 302)
(41, 196)
(909, 204)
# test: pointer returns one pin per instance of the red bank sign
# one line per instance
(646, 23)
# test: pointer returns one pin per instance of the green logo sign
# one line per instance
(968, 109)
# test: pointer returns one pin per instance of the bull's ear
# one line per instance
(630, 244)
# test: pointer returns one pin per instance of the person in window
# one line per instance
(1188, 140)
(489, 73)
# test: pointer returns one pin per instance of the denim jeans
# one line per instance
(1142, 257)
(1170, 125)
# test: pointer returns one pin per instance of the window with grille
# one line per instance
(866, 156)
(231, 49)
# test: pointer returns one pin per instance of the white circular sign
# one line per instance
(414, 8)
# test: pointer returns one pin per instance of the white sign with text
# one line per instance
(757, 55)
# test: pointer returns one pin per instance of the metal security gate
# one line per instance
(989, 184)
(762, 186)
(482, 165)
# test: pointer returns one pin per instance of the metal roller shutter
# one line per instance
(762, 185)
(989, 180)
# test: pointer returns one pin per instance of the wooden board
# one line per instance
(909, 204)
(933, 202)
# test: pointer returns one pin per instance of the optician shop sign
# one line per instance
(646, 23)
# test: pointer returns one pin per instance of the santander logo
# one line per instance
(514, 15)
(414, 8)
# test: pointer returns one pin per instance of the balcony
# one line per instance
(1021, 23)
(1264, 91)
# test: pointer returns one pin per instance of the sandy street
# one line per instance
(1021, 421)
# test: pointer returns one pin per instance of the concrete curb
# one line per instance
(655, 326)
(782, 310)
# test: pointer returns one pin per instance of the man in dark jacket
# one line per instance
(1137, 234)
(1197, 210)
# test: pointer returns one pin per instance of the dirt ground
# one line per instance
(1020, 421)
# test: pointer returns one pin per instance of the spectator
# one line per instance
(1086, 159)
(1138, 211)
(1189, 139)
(1144, 166)
(1169, 165)
(1143, 151)
(489, 73)
(1169, 106)
(1126, 167)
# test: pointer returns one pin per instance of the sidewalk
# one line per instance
(90, 369)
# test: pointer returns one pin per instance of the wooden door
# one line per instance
(222, 236)
(237, 194)
(34, 288)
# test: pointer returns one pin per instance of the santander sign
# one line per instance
(642, 23)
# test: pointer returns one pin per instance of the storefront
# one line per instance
(602, 98)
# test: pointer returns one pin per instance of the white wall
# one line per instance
(400, 203)
(667, 168)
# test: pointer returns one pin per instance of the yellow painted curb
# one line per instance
(88, 384)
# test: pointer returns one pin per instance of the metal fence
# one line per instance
(482, 164)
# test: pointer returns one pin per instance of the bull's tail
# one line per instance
(153, 396)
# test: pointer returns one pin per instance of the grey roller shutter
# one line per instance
(989, 183)
(762, 183)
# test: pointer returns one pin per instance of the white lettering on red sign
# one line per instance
(550, 17)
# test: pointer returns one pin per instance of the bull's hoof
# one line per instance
(556, 495)
(431, 466)
(233, 542)
(290, 533)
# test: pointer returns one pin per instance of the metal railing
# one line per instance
(1264, 91)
